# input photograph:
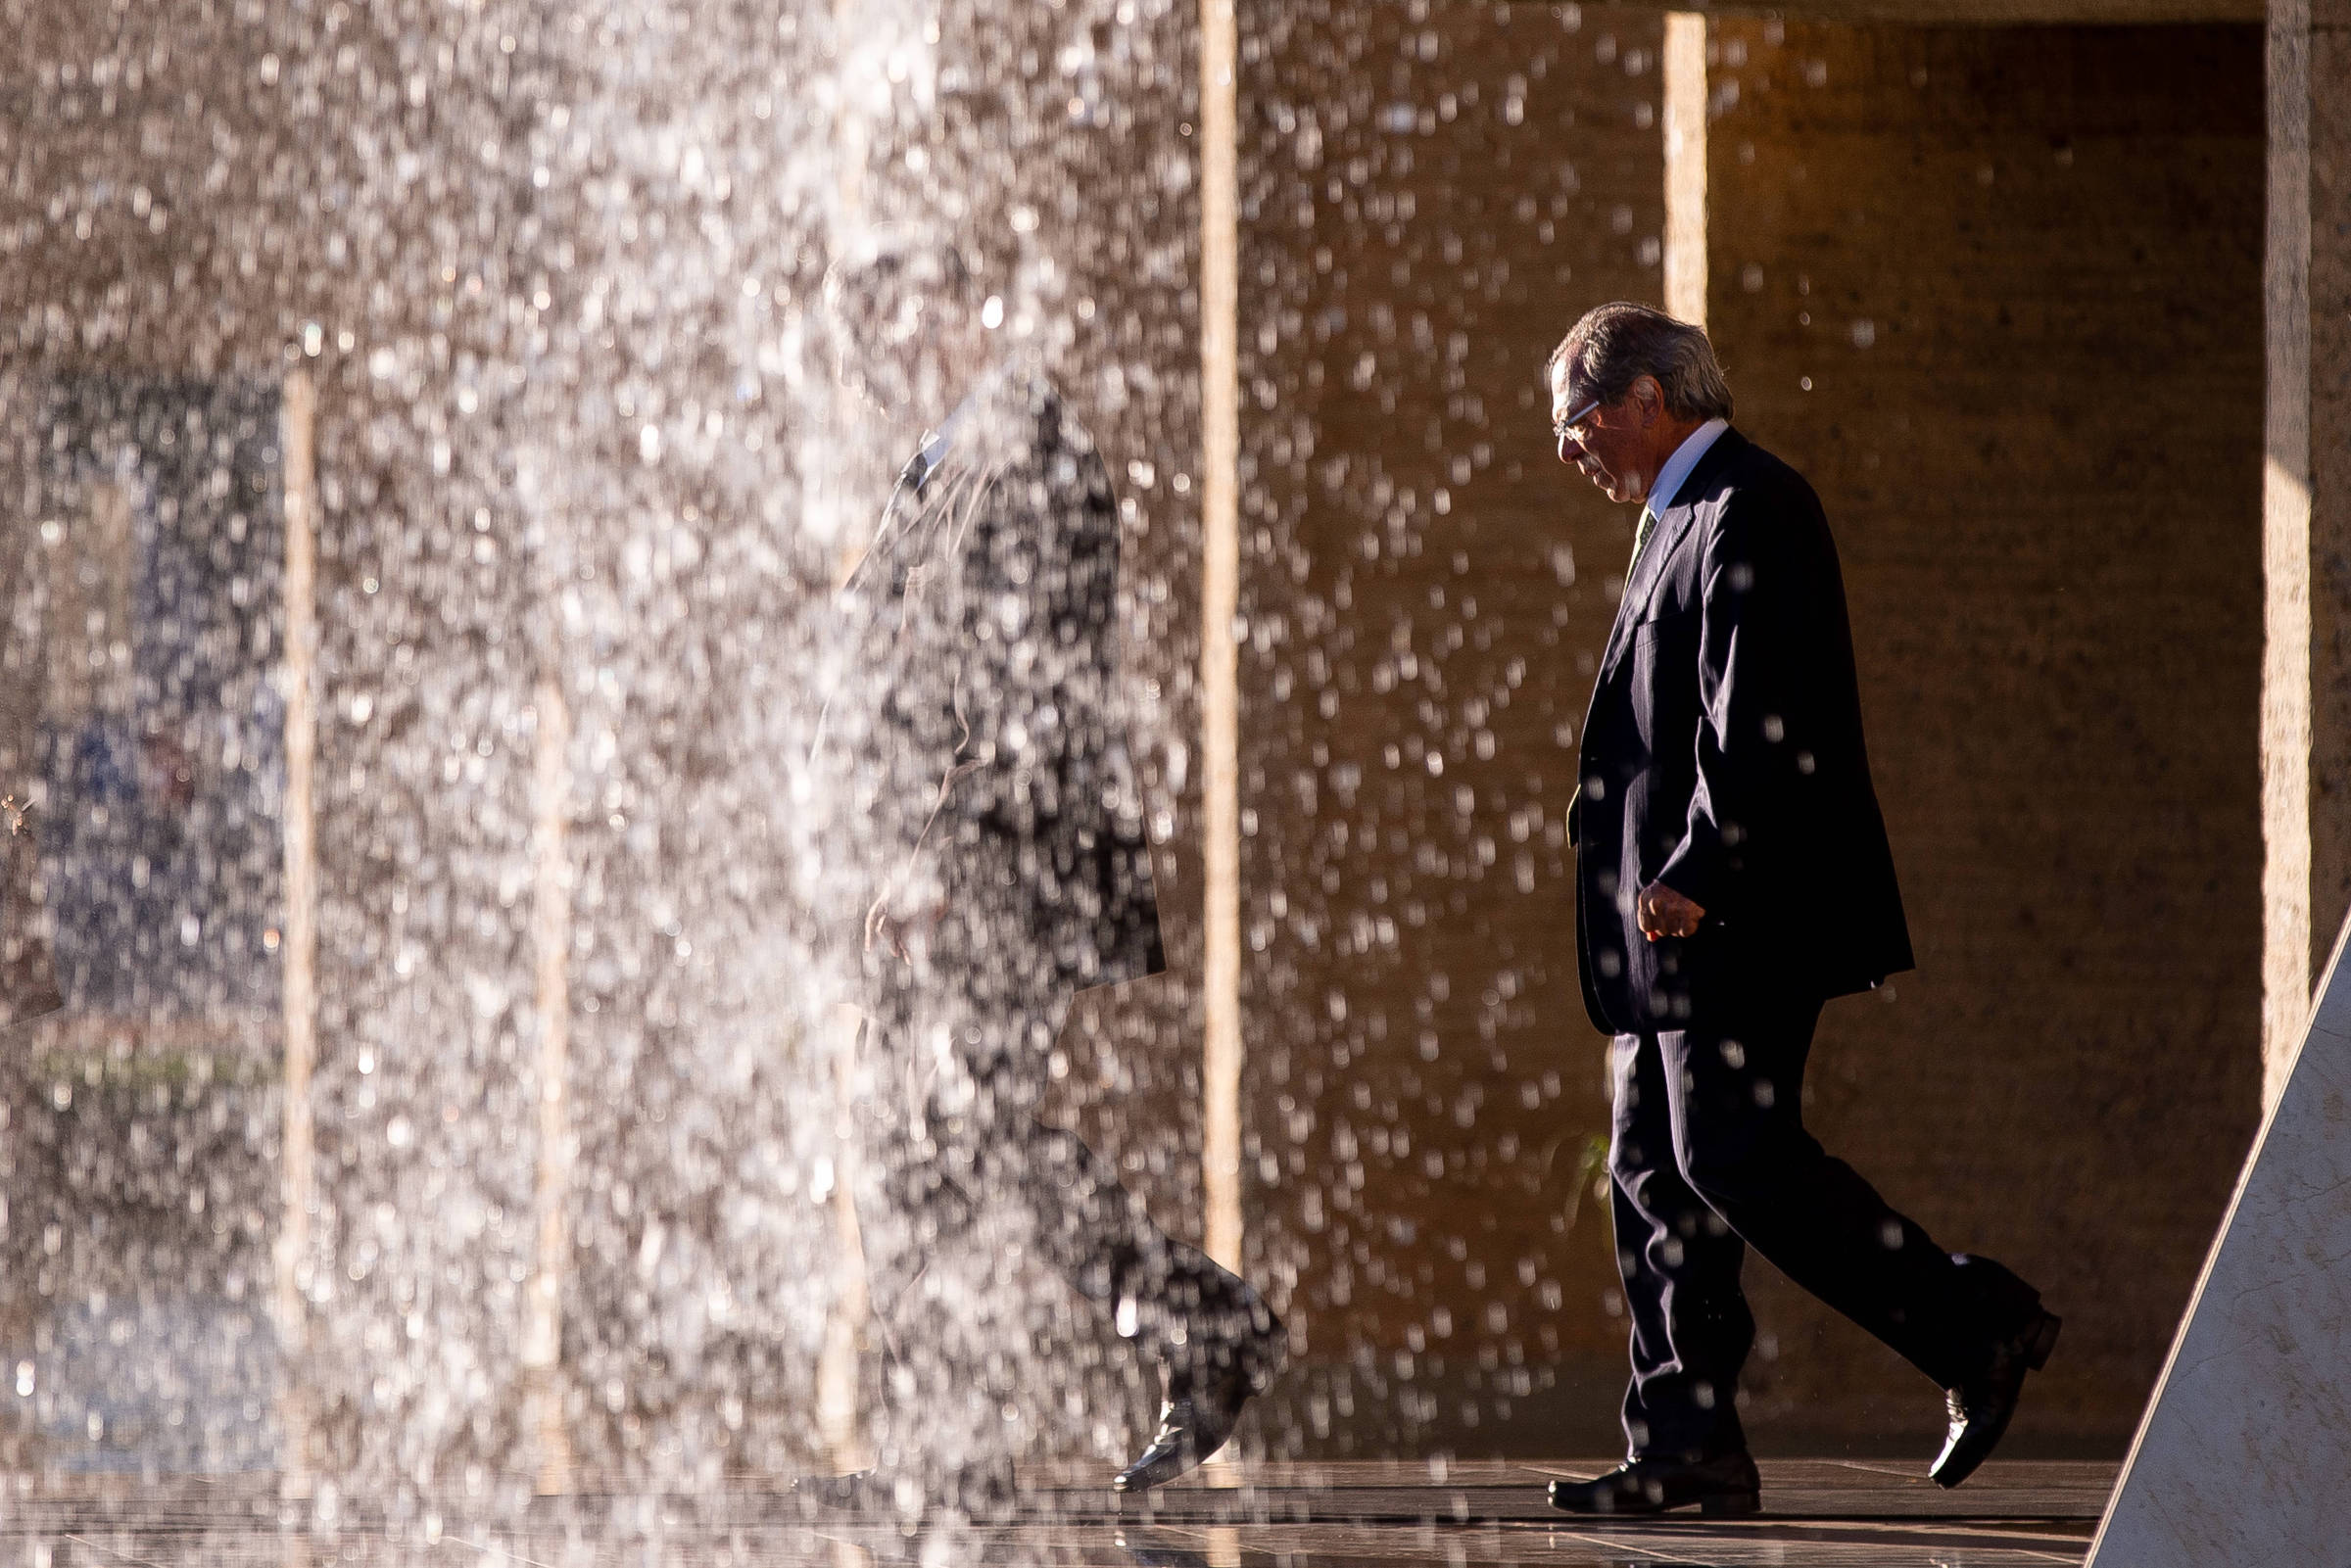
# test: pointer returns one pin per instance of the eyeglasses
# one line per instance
(1568, 428)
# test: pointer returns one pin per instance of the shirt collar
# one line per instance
(1677, 467)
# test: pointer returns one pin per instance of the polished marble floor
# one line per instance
(1817, 1515)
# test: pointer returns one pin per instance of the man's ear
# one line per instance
(1649, 398)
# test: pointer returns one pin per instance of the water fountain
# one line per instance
(438, 485)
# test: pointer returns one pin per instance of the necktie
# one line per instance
(1648, 520)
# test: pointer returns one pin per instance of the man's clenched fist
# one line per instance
(1662, 912)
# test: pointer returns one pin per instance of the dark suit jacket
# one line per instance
(1722, 755)
(983, 729)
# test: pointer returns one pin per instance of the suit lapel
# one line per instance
(1663, 539)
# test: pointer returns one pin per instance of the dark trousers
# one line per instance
(1711, 1156)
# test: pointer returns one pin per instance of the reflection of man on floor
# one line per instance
(981, 732)
(1733, 873)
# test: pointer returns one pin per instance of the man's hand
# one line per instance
(1662, 912)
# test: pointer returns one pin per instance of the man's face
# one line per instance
(1610, 445)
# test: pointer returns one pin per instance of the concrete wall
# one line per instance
(1997, 293)
(2000, 13)
(1430, 195)
(2306, 690)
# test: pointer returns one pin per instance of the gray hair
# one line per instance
(1616, 345)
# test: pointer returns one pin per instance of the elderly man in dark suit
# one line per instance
(981, 740)
(1732, 875)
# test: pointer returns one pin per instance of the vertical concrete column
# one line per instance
(1685, 93)
(2306, 509)
(1220, 604)
(297, 989)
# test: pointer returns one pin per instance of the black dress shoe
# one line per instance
(1728, 1484)
(1980, 1408)
(1205, 1389)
